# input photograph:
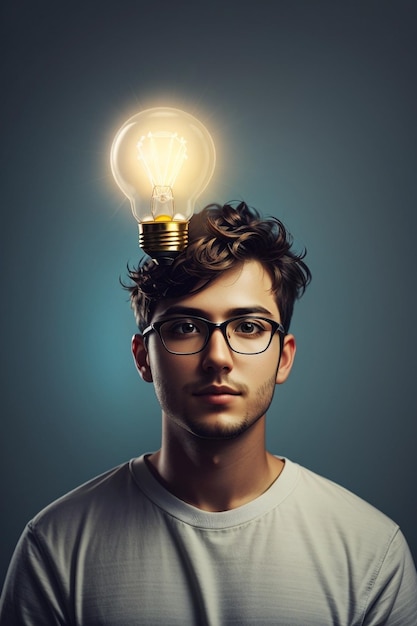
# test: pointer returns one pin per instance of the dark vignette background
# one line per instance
(312, 106)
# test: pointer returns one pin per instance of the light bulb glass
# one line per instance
(162, 160)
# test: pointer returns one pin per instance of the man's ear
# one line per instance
(141, 358)
(287, 359)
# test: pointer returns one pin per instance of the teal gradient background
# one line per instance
(312, 106)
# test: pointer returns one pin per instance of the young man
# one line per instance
(212, 529)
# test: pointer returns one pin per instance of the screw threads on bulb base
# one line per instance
(163, 241)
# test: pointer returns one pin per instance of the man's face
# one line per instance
(217, 393)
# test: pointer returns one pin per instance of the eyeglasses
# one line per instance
(190, 335)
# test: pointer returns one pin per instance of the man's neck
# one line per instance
(216, 475)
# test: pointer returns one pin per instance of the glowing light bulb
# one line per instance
(162, 160)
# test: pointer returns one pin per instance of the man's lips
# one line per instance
(215, 394)
(217, 390)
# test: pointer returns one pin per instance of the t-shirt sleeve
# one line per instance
(393, 592)
(32, 593)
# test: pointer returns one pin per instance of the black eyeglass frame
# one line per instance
(212, 326)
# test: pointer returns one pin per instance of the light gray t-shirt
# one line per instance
(122, 551)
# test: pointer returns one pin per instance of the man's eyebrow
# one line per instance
(196, 312)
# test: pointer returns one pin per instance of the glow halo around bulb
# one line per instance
(162, 159)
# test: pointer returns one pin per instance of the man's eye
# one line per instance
(183, 328)
(249, 327)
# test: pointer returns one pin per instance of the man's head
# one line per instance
(221, 238)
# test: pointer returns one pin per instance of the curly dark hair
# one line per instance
(219, 238)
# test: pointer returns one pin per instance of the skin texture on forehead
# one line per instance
(227, 280)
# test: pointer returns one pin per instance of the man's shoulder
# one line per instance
(94, 499)
(338, 506)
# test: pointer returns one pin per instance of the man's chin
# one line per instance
(219, 431)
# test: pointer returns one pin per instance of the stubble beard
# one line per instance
(222, 429)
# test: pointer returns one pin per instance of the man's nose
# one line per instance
(217, 355)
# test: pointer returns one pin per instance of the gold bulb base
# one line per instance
(164, 240)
